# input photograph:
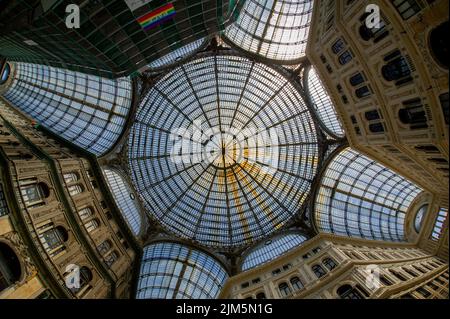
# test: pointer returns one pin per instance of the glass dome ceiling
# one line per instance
(248, 150)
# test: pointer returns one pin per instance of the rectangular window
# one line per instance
(372, 115)
(345, 57)
(443, 98)
(376, 128)
(406, 8)
(356, 79)
(438, 225)
(338, 46)
(31, 193)
(3, 206)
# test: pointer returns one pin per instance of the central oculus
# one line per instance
(223, 150)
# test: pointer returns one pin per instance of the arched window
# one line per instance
(75, 189)
(348, 292)
(359, 197)
(10, 268)
(418, 219)
(318, 271)
(329, 263)
(284, 288)
(92, 225)
(439, 44)
(296, 283)
(260, 295)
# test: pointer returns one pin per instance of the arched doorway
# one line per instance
(10, 268)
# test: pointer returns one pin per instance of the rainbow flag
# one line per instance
(156, 17)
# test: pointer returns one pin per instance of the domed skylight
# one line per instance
(223, 150)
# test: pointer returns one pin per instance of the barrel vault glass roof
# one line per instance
(359, 197)
(171, 270)
(322, 103)
(87, 110)
(125, 199)
(273, 29)
(250, 191)
(177, 55)
(271, 249)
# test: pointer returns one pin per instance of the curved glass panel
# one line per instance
(322, 104)
(418, 219)
(172, 271)
(5, 74)
(125, 199)
(275, 29)
(272, 249)
(177, 55)
(360, 198)
(86, 110)
(223, 150)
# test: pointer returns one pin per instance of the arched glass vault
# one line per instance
(125, 199)
(322, 103)
(276, 30)
(87, 110)
(359, 197)
(223, 150)
(272, 249)
(178, 55)
(174, 271)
